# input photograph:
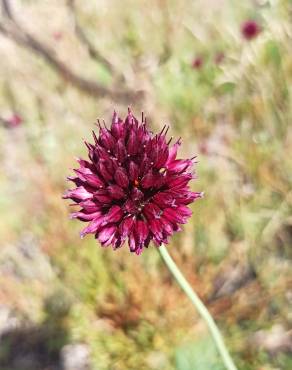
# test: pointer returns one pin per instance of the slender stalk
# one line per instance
(203, 311)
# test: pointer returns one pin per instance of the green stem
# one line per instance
(217, 337)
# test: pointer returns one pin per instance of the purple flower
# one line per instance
(132, 187)
(57, 35)
(14, 120)
(250, 29)
(197, 62)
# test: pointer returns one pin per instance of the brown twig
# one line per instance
(6, 9)
(13, 30)
(81, 35)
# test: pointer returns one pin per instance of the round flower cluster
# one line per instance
(132, 187)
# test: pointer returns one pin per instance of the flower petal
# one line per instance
(79, 193)
(114, 215)
(106, 234)
(92, 228)
(126, 226)
(116, 192)
(121, 178)
(133, 171)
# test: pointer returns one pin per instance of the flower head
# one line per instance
(14, 120)
(250, 29)
(57, 35)
(132, 187)
(197, 62)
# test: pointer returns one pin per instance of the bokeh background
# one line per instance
(68, 304)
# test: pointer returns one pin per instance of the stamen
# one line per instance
(95, 137)
(98, 123)
(161, 132)
(166, 131)
(87, 144)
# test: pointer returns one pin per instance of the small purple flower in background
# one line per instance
(250, 29)
(219, 57)
(57, 35)
(13, 121)
(197, 62)
(132, 187)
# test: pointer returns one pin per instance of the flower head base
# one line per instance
(250, 29)
(133, 187)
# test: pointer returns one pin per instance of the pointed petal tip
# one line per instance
(98, 123)
(138, 251)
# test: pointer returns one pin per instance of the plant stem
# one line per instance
(203, 311)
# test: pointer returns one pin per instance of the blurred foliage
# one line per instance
(200, 356)
(234, 111)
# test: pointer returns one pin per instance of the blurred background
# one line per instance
(219, 72)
